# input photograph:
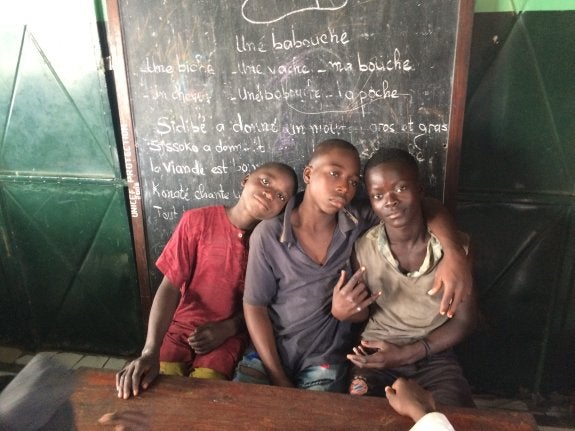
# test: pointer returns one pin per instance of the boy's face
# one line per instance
(332, 179)
(394, 193)
(267, 191)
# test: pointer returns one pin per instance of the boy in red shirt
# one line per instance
(196, 324)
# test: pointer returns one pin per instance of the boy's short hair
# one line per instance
(389, 155)
(330, 144)
(283, 168)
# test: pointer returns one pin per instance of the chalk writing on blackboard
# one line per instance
(218, 88)
(266, 12)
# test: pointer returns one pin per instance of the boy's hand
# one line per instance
(210, 335)
(138, 373)
(379, 355)
(351, 299)
(454, 276)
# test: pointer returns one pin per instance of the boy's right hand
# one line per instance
(351, 299)
(139, 373)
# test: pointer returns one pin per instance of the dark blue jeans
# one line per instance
(325, 378)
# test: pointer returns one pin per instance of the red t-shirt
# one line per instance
(206, 258)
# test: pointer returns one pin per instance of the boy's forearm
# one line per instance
(262, 335)
(161, 315)
(455, 330)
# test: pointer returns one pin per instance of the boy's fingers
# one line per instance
(448, 305)
(357, 277)
(147, 379)
(341, 281)
(436, 287)
(370, 300)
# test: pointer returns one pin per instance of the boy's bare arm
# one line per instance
(262, 335)
(456, 329)
(142, 371)
(383, 355)
(454, 271)
(211, 335)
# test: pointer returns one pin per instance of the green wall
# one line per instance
(67, 277)
(519, 6)
(517, 195)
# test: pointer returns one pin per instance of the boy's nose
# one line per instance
(342, 186)
(389, 199)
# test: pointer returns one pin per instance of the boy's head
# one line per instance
(283, 170)
(267, 190)
(333, 144)
(393, 186)
(332, 175)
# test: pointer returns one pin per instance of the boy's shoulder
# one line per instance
(204, 211)
(204, 215)
(269, 226)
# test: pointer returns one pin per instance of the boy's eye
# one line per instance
(353, 183)
(400, 189)
(265, 181)
(334, 173)
(377, 197)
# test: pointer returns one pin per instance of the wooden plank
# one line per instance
(177, 403)
(458, 98)
(129, 157)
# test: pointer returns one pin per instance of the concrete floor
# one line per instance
(555, 414)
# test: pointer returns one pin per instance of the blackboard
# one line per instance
(217, 87)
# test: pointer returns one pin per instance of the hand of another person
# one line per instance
(127, 420)
(351, 299)
(210, 335)
(139, 373)
(454, 276)
(379, 355)
(409, 399)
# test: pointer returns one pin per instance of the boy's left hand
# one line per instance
(454, 276)
(209, 336)
(378, 355)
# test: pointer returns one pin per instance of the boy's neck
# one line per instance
(410, 234)
(408, 244)
(313, 230)
(310, 217)
(240, 218)
(407, 234)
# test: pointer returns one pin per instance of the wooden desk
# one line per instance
(177, 403)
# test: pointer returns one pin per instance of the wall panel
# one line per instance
(517, 198)
(67, 276)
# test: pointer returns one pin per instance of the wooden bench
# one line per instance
(177, 403)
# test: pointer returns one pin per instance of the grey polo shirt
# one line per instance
(298, 291)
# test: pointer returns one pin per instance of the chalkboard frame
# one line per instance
(128, 150)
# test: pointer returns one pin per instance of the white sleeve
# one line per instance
(434, 421)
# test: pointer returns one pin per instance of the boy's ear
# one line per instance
(245, 180)
(306, 173)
